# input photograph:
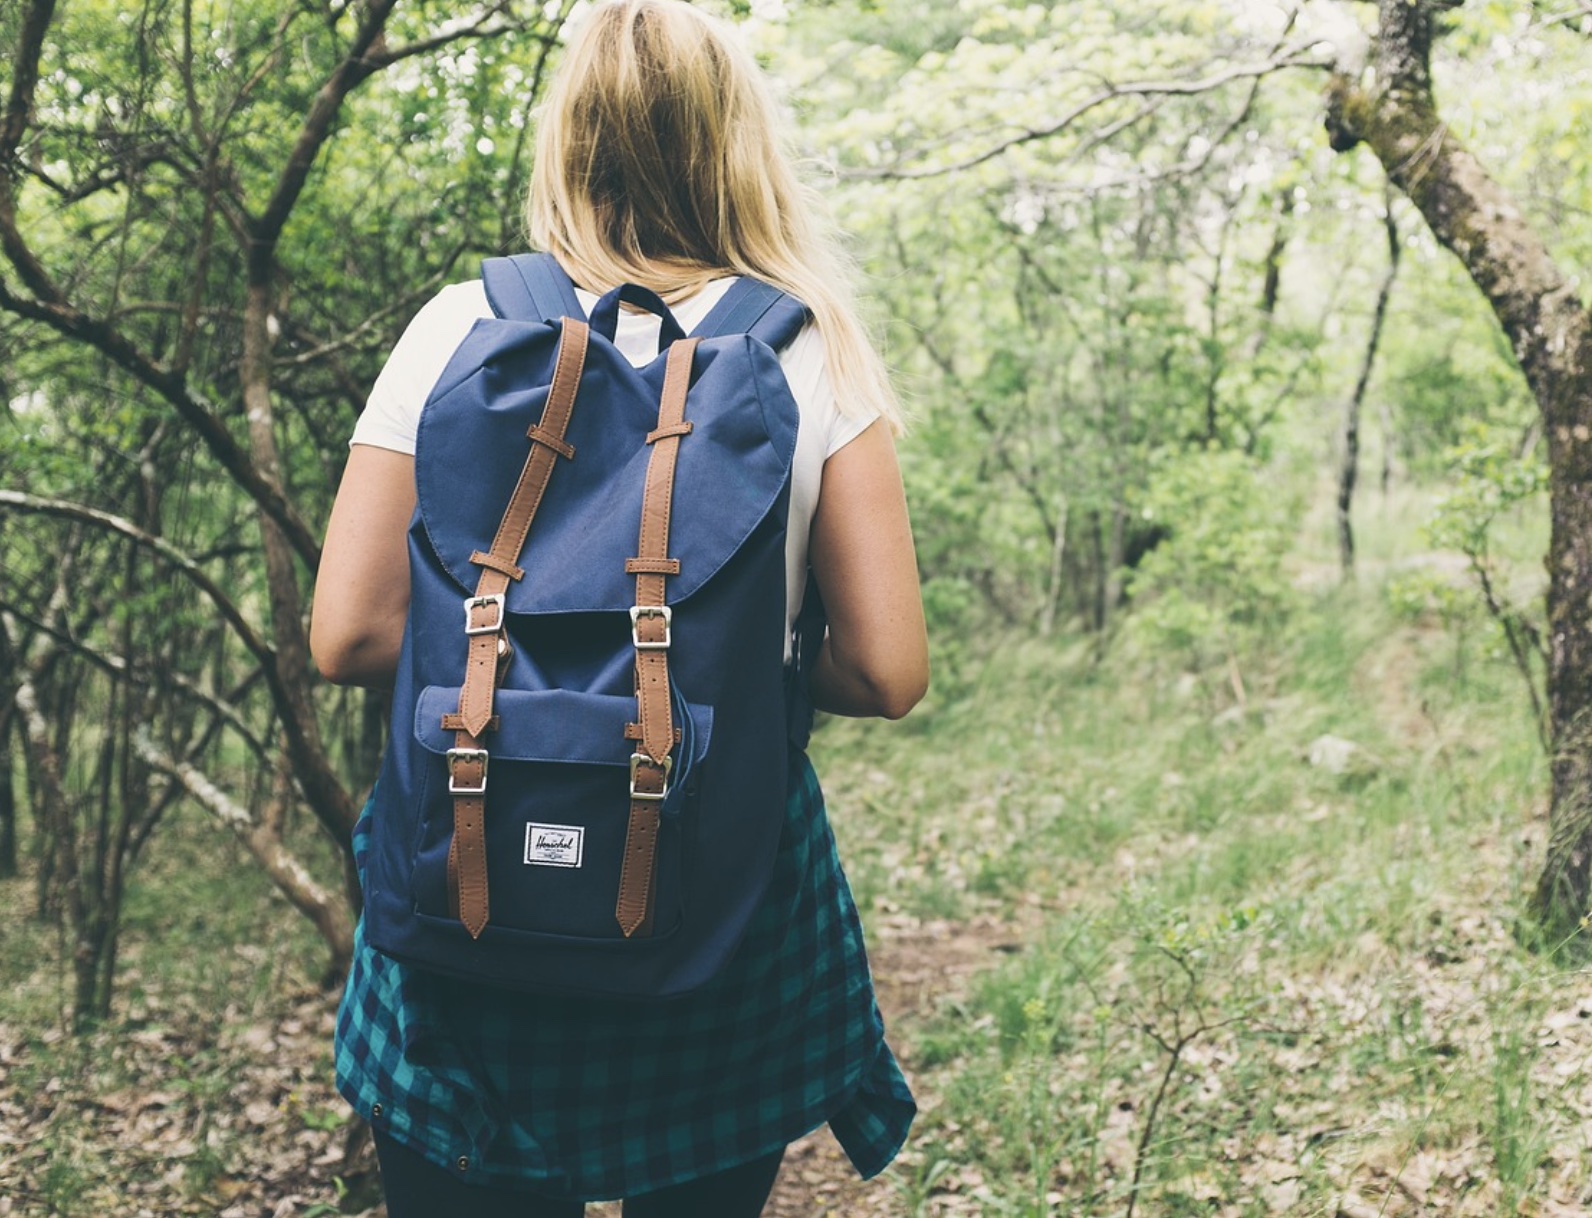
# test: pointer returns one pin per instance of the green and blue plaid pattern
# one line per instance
(593, 1099)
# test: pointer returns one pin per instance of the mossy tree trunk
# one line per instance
(1393, 112)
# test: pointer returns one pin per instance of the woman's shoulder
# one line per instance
(439, 327)
(805, 362)
(435, 332)
(392, 411)
(465, 300)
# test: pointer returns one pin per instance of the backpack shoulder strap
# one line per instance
(756, 308)
(530, 287)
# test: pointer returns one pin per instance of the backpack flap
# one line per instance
(732, 468)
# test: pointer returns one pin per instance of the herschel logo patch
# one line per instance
(554, 845)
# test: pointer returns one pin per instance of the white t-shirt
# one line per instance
(392, 413)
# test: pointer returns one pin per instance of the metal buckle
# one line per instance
(640, 611)
(457, 755)
(637, 759)
(472, 603)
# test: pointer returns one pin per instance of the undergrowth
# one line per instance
(1273, 959)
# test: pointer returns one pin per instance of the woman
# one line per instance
(659, 162)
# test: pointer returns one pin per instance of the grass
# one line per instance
(1252, 985)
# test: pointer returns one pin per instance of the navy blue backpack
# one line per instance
(585, 784)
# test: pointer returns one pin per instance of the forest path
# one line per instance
(917, 965)
(109, 1124)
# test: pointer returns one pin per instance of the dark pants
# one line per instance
(418, 1188)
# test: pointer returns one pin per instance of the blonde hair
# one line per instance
(661, 160)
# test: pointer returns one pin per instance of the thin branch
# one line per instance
(533, 91)
(55, 312)
(262, 70)
(119, 667)
(404, 303)
(209, 796)
(1186, 168)
(478, 30)
(328, 798)
(1348, 474)
(1520, 635)
(1296, 58)
(357, 65)
(190, 95)
(1578, 12)
(132, 164)
(264, 841)
(24, 80)
(62, 510)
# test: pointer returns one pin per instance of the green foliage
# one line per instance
(1493, 486)
(1068, 317)
(171, 160)
(1217, 579)
(1490, 477)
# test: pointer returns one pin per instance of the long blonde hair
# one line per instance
(661, 160)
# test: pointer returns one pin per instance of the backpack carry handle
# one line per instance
(605, 313)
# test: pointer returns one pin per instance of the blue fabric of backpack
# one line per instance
(559, 756)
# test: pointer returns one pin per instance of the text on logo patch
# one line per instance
(554, 845)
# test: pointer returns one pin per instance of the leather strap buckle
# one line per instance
(637, 612)
(641, 759)
(455, 756)
(472, 603)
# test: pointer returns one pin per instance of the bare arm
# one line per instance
(362, 592)
(876, 658)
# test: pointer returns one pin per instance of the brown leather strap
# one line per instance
(484, 623)
(652, 566)
(550, 440)
(475, 703)
(634, 910)
(467, 889)
(482, 559)
(651, 631)
(650, 765)
(633, 732)
(673, 429)
(452, 721)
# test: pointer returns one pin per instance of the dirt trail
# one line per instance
(278, 1144)
(916, 966)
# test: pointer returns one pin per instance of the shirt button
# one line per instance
(375, 1110)
(464, 1162)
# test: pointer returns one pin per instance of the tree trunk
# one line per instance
(330, 801)
(56, 809)
(8, 795)
(8, 790)
(1349, 471)
(1551, 333)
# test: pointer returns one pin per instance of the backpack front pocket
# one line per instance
(557, 811)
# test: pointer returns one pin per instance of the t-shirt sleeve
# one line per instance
(808, 376)
(392, 412)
